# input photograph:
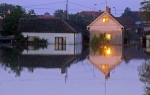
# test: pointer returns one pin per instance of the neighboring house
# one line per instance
(56, 31)
(107, 63)
(140, 22)
(46, 15)
(113, 26)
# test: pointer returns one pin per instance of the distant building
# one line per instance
(46, 15)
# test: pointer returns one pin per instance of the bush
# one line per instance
(97, 42)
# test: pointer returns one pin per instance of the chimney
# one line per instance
(108, 10)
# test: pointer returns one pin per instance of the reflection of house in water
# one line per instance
(107, 63)
(50, 57)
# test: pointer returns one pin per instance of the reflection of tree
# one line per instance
(10, 59)
(144, 73)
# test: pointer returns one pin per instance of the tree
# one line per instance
(11, 22)
(60, 13)
(4, 7)
(145, 8)
(144, 73)
(127, 12)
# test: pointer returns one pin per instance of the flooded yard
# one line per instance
(74, 71)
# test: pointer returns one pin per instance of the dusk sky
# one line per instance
(74, 7)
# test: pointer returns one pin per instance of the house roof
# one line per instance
(45, 61)
(109, 15)
(135, 15)
(55, 25)
(127, 22)
(1, 21)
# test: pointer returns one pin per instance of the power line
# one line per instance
(45, 4)
(80, 5)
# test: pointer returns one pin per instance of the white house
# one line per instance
(113, 26)
(55, 30)
(106, 63)
(53, 50)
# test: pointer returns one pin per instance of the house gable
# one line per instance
(111, 22)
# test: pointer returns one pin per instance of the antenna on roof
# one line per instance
(106, 2)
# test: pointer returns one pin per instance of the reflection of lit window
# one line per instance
(107, 50)
(105, 19)
(105, 67)
(108, 36)
(60, 43)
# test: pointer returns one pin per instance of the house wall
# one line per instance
(78, 38)
(110, 27)
(50, 50)
(51, 36)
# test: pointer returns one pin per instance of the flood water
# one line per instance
(74, 70)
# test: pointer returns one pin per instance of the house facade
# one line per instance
(55, 30)
(113, 26)
(55, 50)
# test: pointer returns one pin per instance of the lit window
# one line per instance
(105, 67)
(108, 36)
(60, 43)
(105, 19)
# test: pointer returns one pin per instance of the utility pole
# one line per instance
(106, 2)
(67, 16)
(94, 11)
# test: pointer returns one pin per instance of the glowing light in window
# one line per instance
(105, 19)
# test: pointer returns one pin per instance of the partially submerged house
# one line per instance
(55, 30)
(114, 27)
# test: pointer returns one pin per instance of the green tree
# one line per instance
(144, 73)
(4, 7)
(11, 22)
(127, 12)
(145, 7)
(60, 13)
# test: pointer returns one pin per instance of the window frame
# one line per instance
(61, 44)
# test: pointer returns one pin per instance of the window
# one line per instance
(60, 43)
(105, 19)
(108, 36)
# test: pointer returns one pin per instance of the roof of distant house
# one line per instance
(127, 22)
(46, 15)
(136, 15)
(55, 25)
